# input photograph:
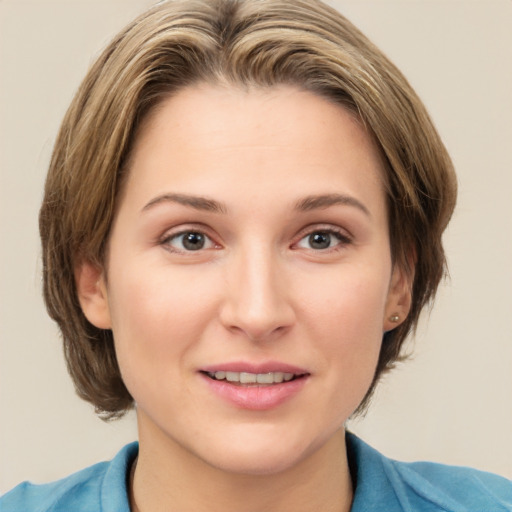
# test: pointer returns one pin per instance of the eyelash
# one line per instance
(342, 240)
(168, 238)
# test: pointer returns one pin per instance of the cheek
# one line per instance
(346, 324)
(157, 318)
(349, 304)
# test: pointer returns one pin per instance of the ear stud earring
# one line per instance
(394, 318)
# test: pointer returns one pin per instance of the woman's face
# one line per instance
(250, 244)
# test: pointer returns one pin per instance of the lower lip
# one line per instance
(256, 397)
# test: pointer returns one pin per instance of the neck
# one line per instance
(174, 479)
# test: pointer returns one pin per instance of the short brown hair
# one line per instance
(246, 43)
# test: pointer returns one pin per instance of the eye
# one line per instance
(188, 241)
(323, 239)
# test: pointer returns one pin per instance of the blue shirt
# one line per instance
(381, 484)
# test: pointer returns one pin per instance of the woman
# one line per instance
(242, 223)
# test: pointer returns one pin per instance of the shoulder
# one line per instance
(424, 486)
(451, 487)
(101, 487)
(75, 492)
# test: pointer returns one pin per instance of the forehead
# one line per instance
(258, 114)
(206, 136)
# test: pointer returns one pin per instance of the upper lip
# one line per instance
(249, 367)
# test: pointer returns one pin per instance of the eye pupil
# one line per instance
(320, 240)
(193, 241)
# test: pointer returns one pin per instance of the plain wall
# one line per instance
(451, 403)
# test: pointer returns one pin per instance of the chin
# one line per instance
(260, 455)
(255, 464)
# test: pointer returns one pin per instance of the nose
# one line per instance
(257, 299)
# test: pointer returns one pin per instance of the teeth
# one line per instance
(248, 378)
(232, 376)
(252, 378)
(279, 377)
(265, 378)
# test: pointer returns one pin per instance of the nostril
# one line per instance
(256, 302)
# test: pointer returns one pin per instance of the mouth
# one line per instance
(256, 386)
(253, 379)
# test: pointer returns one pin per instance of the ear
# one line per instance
(92, 294)
(399, 298)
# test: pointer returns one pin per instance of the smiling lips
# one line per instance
(252, 378)
(255, 387)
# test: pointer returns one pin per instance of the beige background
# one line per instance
(452, 403)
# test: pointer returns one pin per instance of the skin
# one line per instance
(257, 291)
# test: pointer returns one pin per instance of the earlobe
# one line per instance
(92, 294)
(399, 299)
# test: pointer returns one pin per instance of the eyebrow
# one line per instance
(317, 202)
(308, 203)
(196, 202)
